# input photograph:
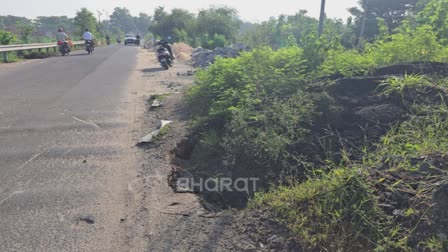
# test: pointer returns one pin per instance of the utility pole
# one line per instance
(322, 17)
(99, 16)
(100, 30)
(363, 27)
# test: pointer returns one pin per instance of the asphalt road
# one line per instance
(63, 152)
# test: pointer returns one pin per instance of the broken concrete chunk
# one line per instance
(156, 103)
(148, 138)
(164, 123)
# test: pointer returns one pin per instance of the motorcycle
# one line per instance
(64, 49)
(164, 57)
(108, 41)
(89, 46)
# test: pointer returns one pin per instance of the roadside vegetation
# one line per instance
(354, 164)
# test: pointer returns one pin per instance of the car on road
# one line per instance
(130, 39)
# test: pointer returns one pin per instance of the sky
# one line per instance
(249, 10)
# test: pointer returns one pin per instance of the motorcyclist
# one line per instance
(138, 39)
(88, 37)
(63, 38)
(118, 40)
(166, 45)
(107, 39)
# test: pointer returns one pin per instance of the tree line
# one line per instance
(221, 26)
(211, 27)
(15, 29)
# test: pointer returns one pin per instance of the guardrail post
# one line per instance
(5, 57)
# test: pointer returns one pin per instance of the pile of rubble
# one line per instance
(203, 57)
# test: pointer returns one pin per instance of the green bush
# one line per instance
(409, 45)
(217, 40)
(253, 78)
(346, 63)
(6, 37)
(256, 103)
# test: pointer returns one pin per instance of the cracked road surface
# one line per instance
(65, 156)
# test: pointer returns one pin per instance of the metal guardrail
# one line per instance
(11, 48)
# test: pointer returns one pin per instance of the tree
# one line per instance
(322, 17)
(85, 19)
(246, 26)
(47, 26)
(6, 37)
(435, 14)
(277, 33)
(123, 20)
(179, 24)
(368, 12)
(25, 31)
(142, 23)
(10, 22)
(222, 21)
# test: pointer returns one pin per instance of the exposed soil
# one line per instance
(182, 51)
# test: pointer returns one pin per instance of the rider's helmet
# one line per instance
(60, 29)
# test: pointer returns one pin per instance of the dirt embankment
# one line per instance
(184, 221)
(360, 114)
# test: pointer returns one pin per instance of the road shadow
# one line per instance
(152, 70)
